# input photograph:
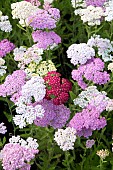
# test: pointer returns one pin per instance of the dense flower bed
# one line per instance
(56, 92)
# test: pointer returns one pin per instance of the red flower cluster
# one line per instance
(57, 88)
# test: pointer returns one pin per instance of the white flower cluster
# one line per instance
(103, 153)
(92, 15)
(91, 94)
(110, 67)
(5, 24)
(78, 3)
(65, 138)
(22, 10)
(110, 105)
(3, 129)
(28, 143)
(26, 56)
(80, 53)
(104, 47)
(33, 91)
(109, 10)
(2, 67)
(27, 114)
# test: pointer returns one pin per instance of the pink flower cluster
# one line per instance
(44, 19)
(14, 156)
(54, 115)
(13, 84)
(96, 3)
(57, 88)
(45, 39)
(92, 71)
(6, 47)
(87, 121)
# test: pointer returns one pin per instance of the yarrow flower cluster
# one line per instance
(27, 56)
(45, 39)
(57, 88)
(80, 53)
(109, 11)
(41, 69)
(103, 153)
(93, 97)
(22, 10)
(44, 19)
(87, 121)
(95, 3)
(5, 24)
(2, 67)
(104, 47)
(90, 143)
(3, 129)
(54, 115)
(15, 155)
(65, 138)
(33, 91)
(91, 15)
(92, 71)
(13, 83)
(5, 47)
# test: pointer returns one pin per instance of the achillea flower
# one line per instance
(45, 39)
(54, 115)
(33, 91)
(65, 138)
(93, 97)
(44, 19)
(109, 11)
(15, 156)
(13, 83)
(22, 10)
(80, 53)
(92, 71)
(103, 45)
(27, 56)
(90, 143)
(91, 15)
(40, 70)
(3, 129)
(103, 153)
(6, 47)
(57, 88)
(87, 121)
(5, 24)
(95, 3)
(2, 67)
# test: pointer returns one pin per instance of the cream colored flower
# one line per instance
(103, 153)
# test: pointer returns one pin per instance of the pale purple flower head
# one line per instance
(87, 121)
(96, 3)
(14, 156)
(45, 39)
(6, 47)
(92, 71)
(43, 19)
(13, 83)
(90, 143)
(55, 115)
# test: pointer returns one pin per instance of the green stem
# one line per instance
(11, 114)
(67, 161)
